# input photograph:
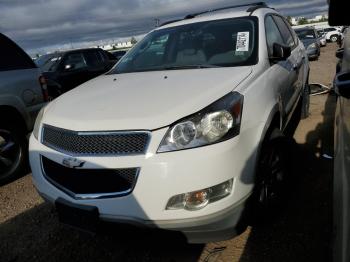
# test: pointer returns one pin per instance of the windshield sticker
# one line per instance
(242, 44)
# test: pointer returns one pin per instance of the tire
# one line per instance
(305, 106)
(13, 152)
(334, 38)
(272, 178)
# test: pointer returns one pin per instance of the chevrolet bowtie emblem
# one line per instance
(73, 162)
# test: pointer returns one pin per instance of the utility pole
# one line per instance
(157, 20)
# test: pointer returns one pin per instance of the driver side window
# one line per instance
(273, 34)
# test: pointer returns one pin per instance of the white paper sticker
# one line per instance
(242, 41)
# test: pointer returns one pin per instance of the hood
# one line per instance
(308, 42)
(143, 100)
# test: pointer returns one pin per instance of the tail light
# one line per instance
(43, 84)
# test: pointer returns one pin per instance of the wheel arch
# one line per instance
(12, 115)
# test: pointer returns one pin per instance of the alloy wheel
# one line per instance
(10, 153)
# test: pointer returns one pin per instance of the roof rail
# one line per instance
(251, 9)
(257, 4)
(170, 21)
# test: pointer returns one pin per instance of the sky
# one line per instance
(39, 26)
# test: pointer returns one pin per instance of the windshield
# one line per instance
(43, 59)
(219, 43)
(51, 64)
(306, 34)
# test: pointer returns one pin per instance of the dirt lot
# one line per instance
(29, 229)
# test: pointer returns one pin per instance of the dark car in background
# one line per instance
(68, 69)
(341, 192)
(309, 37)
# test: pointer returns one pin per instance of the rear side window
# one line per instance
(93, 58)
(285, 32)
(273, 35)
(74, 61)
(13, 57)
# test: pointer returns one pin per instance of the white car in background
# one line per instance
(183, 131)
(332, 34)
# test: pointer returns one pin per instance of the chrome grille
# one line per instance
(95, 143)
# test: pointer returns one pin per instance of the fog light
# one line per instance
(196, 200)
(199, 199)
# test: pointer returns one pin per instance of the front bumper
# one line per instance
(165, 175)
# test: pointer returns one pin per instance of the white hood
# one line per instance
(147, 100)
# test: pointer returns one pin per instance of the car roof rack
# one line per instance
(251, 9)
(255, 5)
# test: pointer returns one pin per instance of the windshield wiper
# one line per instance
(199, 66)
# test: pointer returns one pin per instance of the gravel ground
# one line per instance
(29, 229)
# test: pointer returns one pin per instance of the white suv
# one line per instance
(332, 34)
(182, 131)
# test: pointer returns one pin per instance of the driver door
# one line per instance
(73, 71)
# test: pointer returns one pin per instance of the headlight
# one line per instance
(218, 122)
(313, 45)
(37, 124)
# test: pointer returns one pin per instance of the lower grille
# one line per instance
(90, 183)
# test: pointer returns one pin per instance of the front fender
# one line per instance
(17, 104)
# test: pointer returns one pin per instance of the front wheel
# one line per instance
(272, 175)
(334, 38)
(13, 148)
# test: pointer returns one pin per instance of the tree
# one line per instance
(302, 21)
(133, 40)
(289, 19)
(323, 19)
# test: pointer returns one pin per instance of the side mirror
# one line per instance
(69, 67)
(342, 84)
(339, 53)
(280, 52)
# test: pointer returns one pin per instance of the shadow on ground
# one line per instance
(42, 238)
(303, 232)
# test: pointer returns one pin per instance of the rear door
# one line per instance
(96, 63)
(19, 79)
(294, 65)
(73, 70)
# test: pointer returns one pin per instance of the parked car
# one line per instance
(332, 34)
(341, 208)
(185, 133)
(22, 94)
(322, 37)
(118, 54)
(66, 70)
(309, 37)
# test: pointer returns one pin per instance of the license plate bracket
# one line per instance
(82, 217)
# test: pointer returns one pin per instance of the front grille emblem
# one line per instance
(73, 162)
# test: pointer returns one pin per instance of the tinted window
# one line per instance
(330, 29)
(74, 61)
(285, 32)
(228, 42)
(93, 58)
(306, 34)
(273, 35)
(13, 57)
(51, 64)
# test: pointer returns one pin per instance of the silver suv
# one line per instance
(22, 94)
